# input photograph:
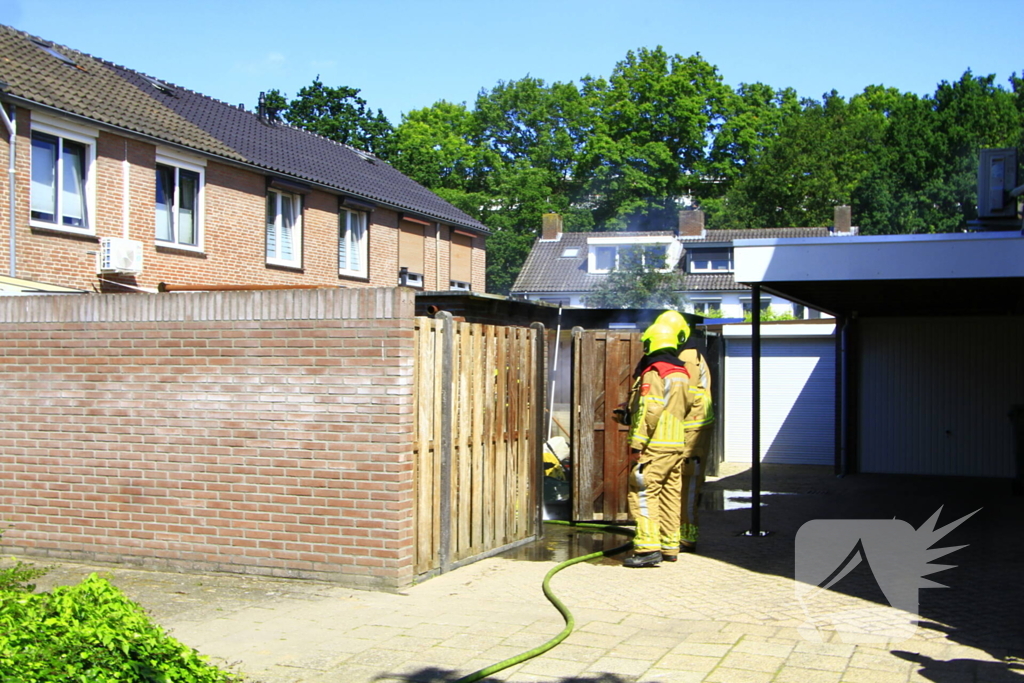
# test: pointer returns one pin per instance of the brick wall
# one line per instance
(256, 432)
(234, 227)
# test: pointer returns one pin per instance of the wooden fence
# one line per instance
(603, 363)
(479, 412)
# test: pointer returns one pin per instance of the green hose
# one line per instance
(570, 621)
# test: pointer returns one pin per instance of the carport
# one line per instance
(930, 333)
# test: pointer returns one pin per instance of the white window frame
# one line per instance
(693, 264)
(748, 302)
(65, 130)
(618, 243)
(345, 221)
(274, 260)
(178, 162)
(706, 303)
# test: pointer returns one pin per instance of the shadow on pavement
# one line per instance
(438, 675)
(983, 606)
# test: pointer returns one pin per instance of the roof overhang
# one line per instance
(891, 275)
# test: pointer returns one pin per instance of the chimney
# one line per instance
(842, 220)
(691, 223)
(551, 227)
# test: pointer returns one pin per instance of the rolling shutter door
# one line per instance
(797, 400)
(462, 257)
(410, 247)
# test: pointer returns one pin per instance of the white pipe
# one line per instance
(125, 192)
(12, 138)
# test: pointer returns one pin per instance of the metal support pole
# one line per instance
(755, 417)
(755, 425)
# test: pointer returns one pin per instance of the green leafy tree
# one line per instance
(654, 116)
(925, 178)
(636, 284)
(751, 122)
(335, 113)
(815, 164)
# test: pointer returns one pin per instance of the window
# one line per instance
(604, 258)
(710, 260)
(461, 261)
(748, 308)
(707, 307)
(799, 311)
(654, 255)
(410, 252)
(178, 207)
(352, 243)
(284, 229)
(60, 181)
(570, 252)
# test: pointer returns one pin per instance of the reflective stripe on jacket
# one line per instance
(702, 409)
(659, 400)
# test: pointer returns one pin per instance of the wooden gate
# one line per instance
(603, 363)
(602, 373)
(479, 412)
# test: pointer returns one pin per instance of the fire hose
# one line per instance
(570, 621)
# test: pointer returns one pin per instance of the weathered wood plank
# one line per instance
(501, 437)
(477, 450)
(464, 430)
(489, 401)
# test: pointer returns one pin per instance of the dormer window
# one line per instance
(607, 254)
(712, 260)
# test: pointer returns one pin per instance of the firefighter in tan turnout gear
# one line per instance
(698, 430)
(658, 405)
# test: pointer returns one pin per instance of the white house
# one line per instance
(567, 267)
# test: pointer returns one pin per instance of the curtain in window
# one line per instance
(73, 196)
(188, 198)
(164, 201)
(44, 177)
(287, 223)
(357, 228)
(271, 225)
(344, 235)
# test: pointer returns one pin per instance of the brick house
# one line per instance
(123, 182)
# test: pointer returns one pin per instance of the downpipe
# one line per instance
(12, 138)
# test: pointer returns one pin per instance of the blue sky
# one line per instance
(405, 55)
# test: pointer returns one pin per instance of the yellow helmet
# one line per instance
(675, 320)
(658, 337)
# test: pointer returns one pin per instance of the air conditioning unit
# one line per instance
(407, 279)
(120, 256)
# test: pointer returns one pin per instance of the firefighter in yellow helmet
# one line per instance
(698, 430)
(658, 404)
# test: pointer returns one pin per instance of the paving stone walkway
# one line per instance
(729, 614)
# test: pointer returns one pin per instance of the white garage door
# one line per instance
(936, 395)
(797, 400)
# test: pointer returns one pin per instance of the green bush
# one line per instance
(90, 633)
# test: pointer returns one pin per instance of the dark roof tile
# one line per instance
(126, 99)
(546, 271)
